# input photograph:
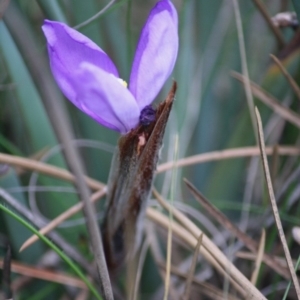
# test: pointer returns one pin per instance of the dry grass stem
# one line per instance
(262, 8)
(274, 204)
(190, 276)
(138, 275)
(48, 275)
(216, 155)
(47, 169)
(287, 75)
(35, 156)
(225, 154)
(252, 256)
(209, 250)
(169, 241)
(226, 223)
(158, 256)
(191, 240)
(205, 288)
(131, 276)
(273, 103)
(61, 218)
(168, 260)
(242, 49)
(274, 163)
(259, 257)
(195, 159)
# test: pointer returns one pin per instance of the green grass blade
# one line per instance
(64, 257)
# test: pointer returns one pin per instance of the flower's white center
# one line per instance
(122, 82)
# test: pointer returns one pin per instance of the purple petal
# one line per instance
(103, 97)
(67, 49)
(155, 54)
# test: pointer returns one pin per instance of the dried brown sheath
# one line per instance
(130, 184)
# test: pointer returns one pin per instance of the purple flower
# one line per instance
(90, 80)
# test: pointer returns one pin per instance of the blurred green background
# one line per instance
(210, 112)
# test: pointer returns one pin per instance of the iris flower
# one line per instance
(89, 79)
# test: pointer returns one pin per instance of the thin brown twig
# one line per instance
(169, 238)
(57, 172)
(261, 7)
(45, 274)
(274, 163)
(209, 250)
(259, 258)
(206, 288)
(272, 102)
(141, 262)
(225, 154)
(169, 255)
(226, 223)
(189, 238)
(244, 64)
(158, 256)
(61, 218)
(46, 169)
(190, 276)
(287, 75)
(274, 204)
(201, 158)
(252, 256)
